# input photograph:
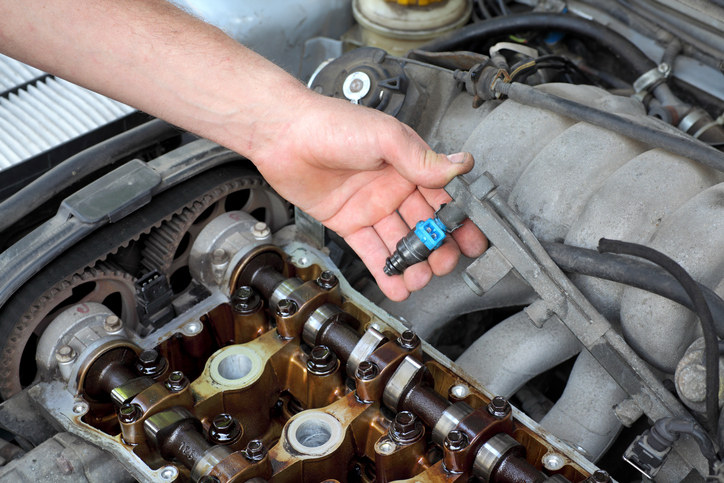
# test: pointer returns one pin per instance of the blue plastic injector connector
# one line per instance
(417, 245)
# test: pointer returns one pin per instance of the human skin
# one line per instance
(352, 168)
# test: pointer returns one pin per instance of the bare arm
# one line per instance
(349, 167)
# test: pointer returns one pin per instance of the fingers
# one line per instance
(415, 161)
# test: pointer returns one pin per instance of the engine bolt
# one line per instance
(255, 450)
(456, 440)
(150, 363)
(112, 324)
(176, 381)
(327, 280)
(245, 300)
(408, 340)
(599, 476)
(322, 360)
(286, 307)
(208, 479)
(499, 407)
(367, 370)
(219, 256)
(406, 428)
(261, 230)
(130, 413)
(65, 354)
(225, 429)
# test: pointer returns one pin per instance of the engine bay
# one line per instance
(172, 318)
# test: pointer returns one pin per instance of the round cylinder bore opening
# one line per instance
(235, 366)
(313, 434)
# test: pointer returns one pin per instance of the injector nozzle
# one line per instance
(416, 246)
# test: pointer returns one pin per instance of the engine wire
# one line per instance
(711, 351)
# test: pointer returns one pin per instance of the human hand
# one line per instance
(354, 169)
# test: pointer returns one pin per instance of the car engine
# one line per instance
(166, 316)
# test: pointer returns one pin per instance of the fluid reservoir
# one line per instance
(400, 25)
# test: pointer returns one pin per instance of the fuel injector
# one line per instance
(428, 235)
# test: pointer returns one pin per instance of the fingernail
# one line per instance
(456, 158)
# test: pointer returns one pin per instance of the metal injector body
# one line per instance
(428, 235)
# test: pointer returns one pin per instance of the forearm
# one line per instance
(151, 55)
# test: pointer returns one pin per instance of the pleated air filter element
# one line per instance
(39, 112)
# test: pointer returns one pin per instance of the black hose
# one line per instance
(711, 349)
(81, 165)
(512, 24)
(656, 138)
(635, 273)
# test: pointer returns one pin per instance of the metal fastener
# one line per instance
(406, 428)
(322, 361)
(112, 324)
(261, 230)
(65, 354)
(408, 340)
(225, 429)
(499, 407)
(255, 450)
(219, 256)
(327, 280)
(367, 370)
(245, 300)
(150, 363)
(599, 476)
(286, 307)
(456, 440)
(176, 381)
(130, 413)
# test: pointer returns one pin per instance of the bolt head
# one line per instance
(255, 450)
(150, 363)
(130, 413)
(600, 476)
(225, 429)
(65, 354)
(456, 440)
(219, 256)
(112, 324)
(367, 370)
(261, 230)
(322, 360)
(327, 280)
(499, 407)
(408, 340)
(287, 307)
(176, 381)
(245, 300)
(406, 428)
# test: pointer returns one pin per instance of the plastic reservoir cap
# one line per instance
(408, 3)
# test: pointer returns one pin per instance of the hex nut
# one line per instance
(255, 450)
(150, 363)
(112, 324)
(176, 381)
(322, 360)
(499, 407)
(406, 428)
(225, 429)
(456, 440)
(286, 307)
(327, 280)
(129, 413)
(408, 340)
(260, 230)
(367, 370)
(65, 354)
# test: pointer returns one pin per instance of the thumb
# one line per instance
(419, 164)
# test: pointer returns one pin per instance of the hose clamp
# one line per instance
(652, 78)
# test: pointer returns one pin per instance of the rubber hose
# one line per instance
(634, 273)
(81, 165)
(656, 138)
(711, 350)
(512, 24)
